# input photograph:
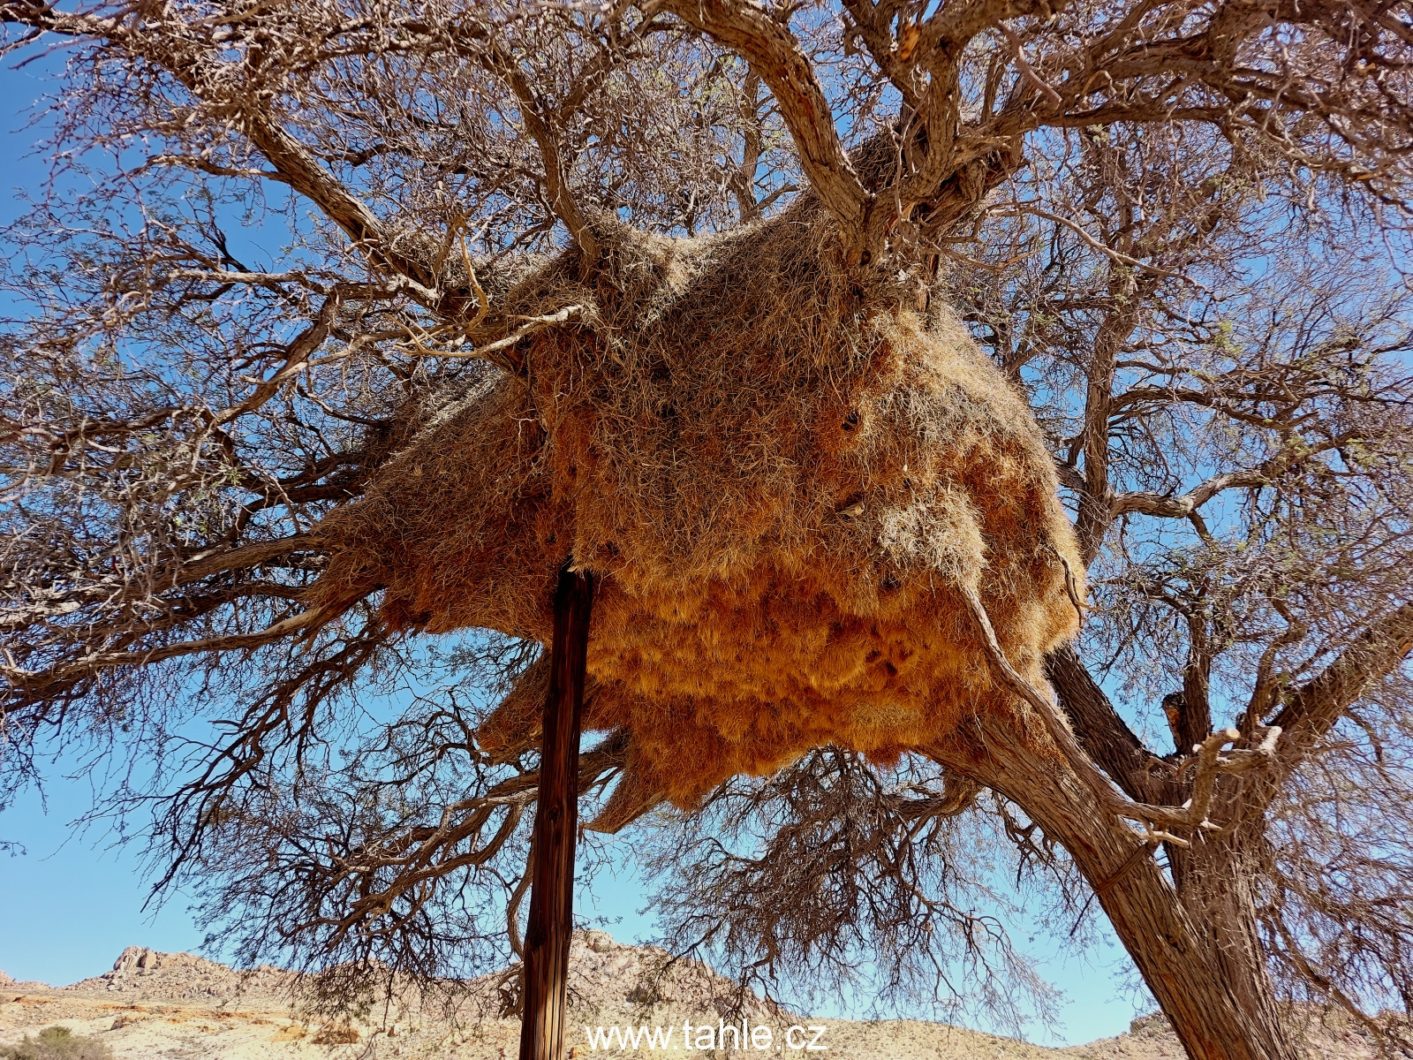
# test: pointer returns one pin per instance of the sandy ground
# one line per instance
(155, 1006)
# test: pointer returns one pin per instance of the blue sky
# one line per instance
(73, 899)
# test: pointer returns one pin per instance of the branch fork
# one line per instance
(1159, 823)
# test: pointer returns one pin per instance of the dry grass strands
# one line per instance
(788, 486)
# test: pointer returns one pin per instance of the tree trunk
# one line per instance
(1217, 887)
(551, 922)
(1201, 960)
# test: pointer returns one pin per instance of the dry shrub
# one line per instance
(784, 482)
(336, 1034)
(57, 1043)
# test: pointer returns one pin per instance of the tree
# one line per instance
(1180, 228)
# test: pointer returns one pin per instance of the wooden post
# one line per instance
(556, 825)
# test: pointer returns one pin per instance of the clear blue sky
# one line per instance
(72, 901)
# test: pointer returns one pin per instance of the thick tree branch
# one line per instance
(1143, 776)
(1311, 710)
(774, 53)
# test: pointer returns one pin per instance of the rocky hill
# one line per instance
(176, 1006)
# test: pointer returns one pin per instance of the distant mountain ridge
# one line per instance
(179, 1006)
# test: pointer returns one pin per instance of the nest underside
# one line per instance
(787, 488)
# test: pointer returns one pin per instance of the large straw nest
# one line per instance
(785, 486)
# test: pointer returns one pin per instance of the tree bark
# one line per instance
(551, 921)
(1217, 886)
(1201, 960)
(1105, 737)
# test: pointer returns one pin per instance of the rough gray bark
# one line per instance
(1201, 960)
